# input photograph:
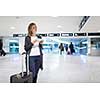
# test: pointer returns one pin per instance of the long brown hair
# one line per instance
(30, 27)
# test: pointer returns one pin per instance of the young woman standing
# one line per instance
(33, 47)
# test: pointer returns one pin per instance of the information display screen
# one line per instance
(19, 35)
(94, 34)
(79, 34)
(54, 34)
(43, 35)
(66, 34)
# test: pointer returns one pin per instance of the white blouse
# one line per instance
(35, 51)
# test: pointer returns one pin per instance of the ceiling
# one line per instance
(18, 24)
(92, 25)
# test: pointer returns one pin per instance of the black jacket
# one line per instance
(28, 45)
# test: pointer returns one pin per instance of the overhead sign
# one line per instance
(54, 34)
(66, 34)
(19, 35)
(79, 34)
(43, 35)
(94, 34)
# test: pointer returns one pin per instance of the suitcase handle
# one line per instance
(27, 63)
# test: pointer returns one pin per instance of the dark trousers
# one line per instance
(34, 65)
(61, 52)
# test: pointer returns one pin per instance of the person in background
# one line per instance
(51, 47)
(33, 47)
(66, 48)
(2, 52)
(61, 47)
(71, 48)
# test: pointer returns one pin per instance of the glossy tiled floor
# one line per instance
(57, 68)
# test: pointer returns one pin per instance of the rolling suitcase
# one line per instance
(23, 77)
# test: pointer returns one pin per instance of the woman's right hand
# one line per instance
(41, 41)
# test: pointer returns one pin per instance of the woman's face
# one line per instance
(34, 29)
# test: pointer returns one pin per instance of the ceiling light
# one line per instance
(12, 28)
(59, 26)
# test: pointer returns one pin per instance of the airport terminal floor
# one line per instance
(57, 68)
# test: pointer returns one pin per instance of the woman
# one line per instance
(33, 47)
